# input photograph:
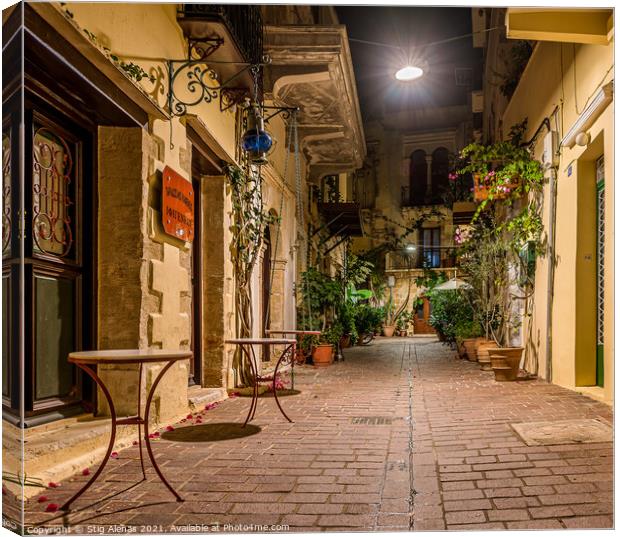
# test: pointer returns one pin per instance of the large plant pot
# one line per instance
(484, 358)
(470, 349)
(505, 362)
(388, 330)
(323, 355)
(460, 349)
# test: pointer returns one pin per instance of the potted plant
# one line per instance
(323, 351)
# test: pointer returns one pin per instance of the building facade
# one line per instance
(564, 88)
(118, 101)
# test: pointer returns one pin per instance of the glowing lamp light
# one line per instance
(256, 140)
(409, 73)
(410, 248)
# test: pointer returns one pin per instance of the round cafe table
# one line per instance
(287, 356)
(88, 360)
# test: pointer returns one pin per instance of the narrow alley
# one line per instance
(401, 436)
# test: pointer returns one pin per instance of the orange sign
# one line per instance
(177, 206)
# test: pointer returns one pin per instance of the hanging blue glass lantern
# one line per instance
(256, 140)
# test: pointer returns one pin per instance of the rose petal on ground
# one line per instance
(53, 485)
(114, 455)
(170, 428)
(42, 499)
(85, 471)
(51, 508)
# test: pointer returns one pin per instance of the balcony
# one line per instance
(226, 33)
(343, 218)
(422, 258)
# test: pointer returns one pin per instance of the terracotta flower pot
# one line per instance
(506, 361)
(481, 191)
(388, 330)
(470, 349)
(322, 355)
(483, 354)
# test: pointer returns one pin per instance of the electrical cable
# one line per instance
(441, 42)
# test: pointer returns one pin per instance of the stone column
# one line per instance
(218, 299)
(429, 175)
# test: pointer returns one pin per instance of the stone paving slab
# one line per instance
(401, 436)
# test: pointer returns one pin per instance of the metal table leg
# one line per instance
(106, 458)
(146, 431)
(289, 354)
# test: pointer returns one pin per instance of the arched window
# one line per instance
(439, 169)
(417, 177)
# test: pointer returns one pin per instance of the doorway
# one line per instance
(600, 270)
(266, 291)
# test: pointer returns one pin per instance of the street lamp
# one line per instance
(409, 73)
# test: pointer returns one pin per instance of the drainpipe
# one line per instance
(551, 270)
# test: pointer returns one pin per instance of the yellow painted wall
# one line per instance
(567, 76)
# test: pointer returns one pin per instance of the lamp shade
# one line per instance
(256, 140)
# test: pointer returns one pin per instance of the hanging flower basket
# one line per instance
(504, 190)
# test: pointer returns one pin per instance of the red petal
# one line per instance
(135, 442)
(189, 417)
(156, 433)
(53, 485)
(170, 428)
(85, 471)
(51, 508)
(113, 455)
(42, 499)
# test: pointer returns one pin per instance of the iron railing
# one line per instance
(429, 258)
(244, 23)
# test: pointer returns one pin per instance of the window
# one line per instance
(418, 177)
(431, 253)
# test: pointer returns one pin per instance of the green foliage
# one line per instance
(333, 194)
(346, 318)
(319, 294)
(368, 319)
(451, 312)
(430, 279)
(332, 335)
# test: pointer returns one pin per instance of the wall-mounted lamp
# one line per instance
(589, 116)
(409, 73)
(256, 140)
(410, 248)
(391, 281)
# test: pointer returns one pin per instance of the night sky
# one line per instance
(410, 27)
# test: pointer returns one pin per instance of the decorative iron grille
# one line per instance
(6, 192)
(51, 189)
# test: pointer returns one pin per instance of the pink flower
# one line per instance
(189, 417)
(51, 508)
(170, 428)
(114, 455)
(53, 485)
(85, 471)
(491, 173)
(232, 395)
(452, 176)
(210, 406)
(42, 499)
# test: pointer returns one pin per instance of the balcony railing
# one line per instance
(429, 258)
(243, 22)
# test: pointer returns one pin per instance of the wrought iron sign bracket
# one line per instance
(200, 85)
(286, 111)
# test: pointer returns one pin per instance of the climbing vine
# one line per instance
(248, 221)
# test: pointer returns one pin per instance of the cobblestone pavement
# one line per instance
(401, 436)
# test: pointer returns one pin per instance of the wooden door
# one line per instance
(421, 318)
